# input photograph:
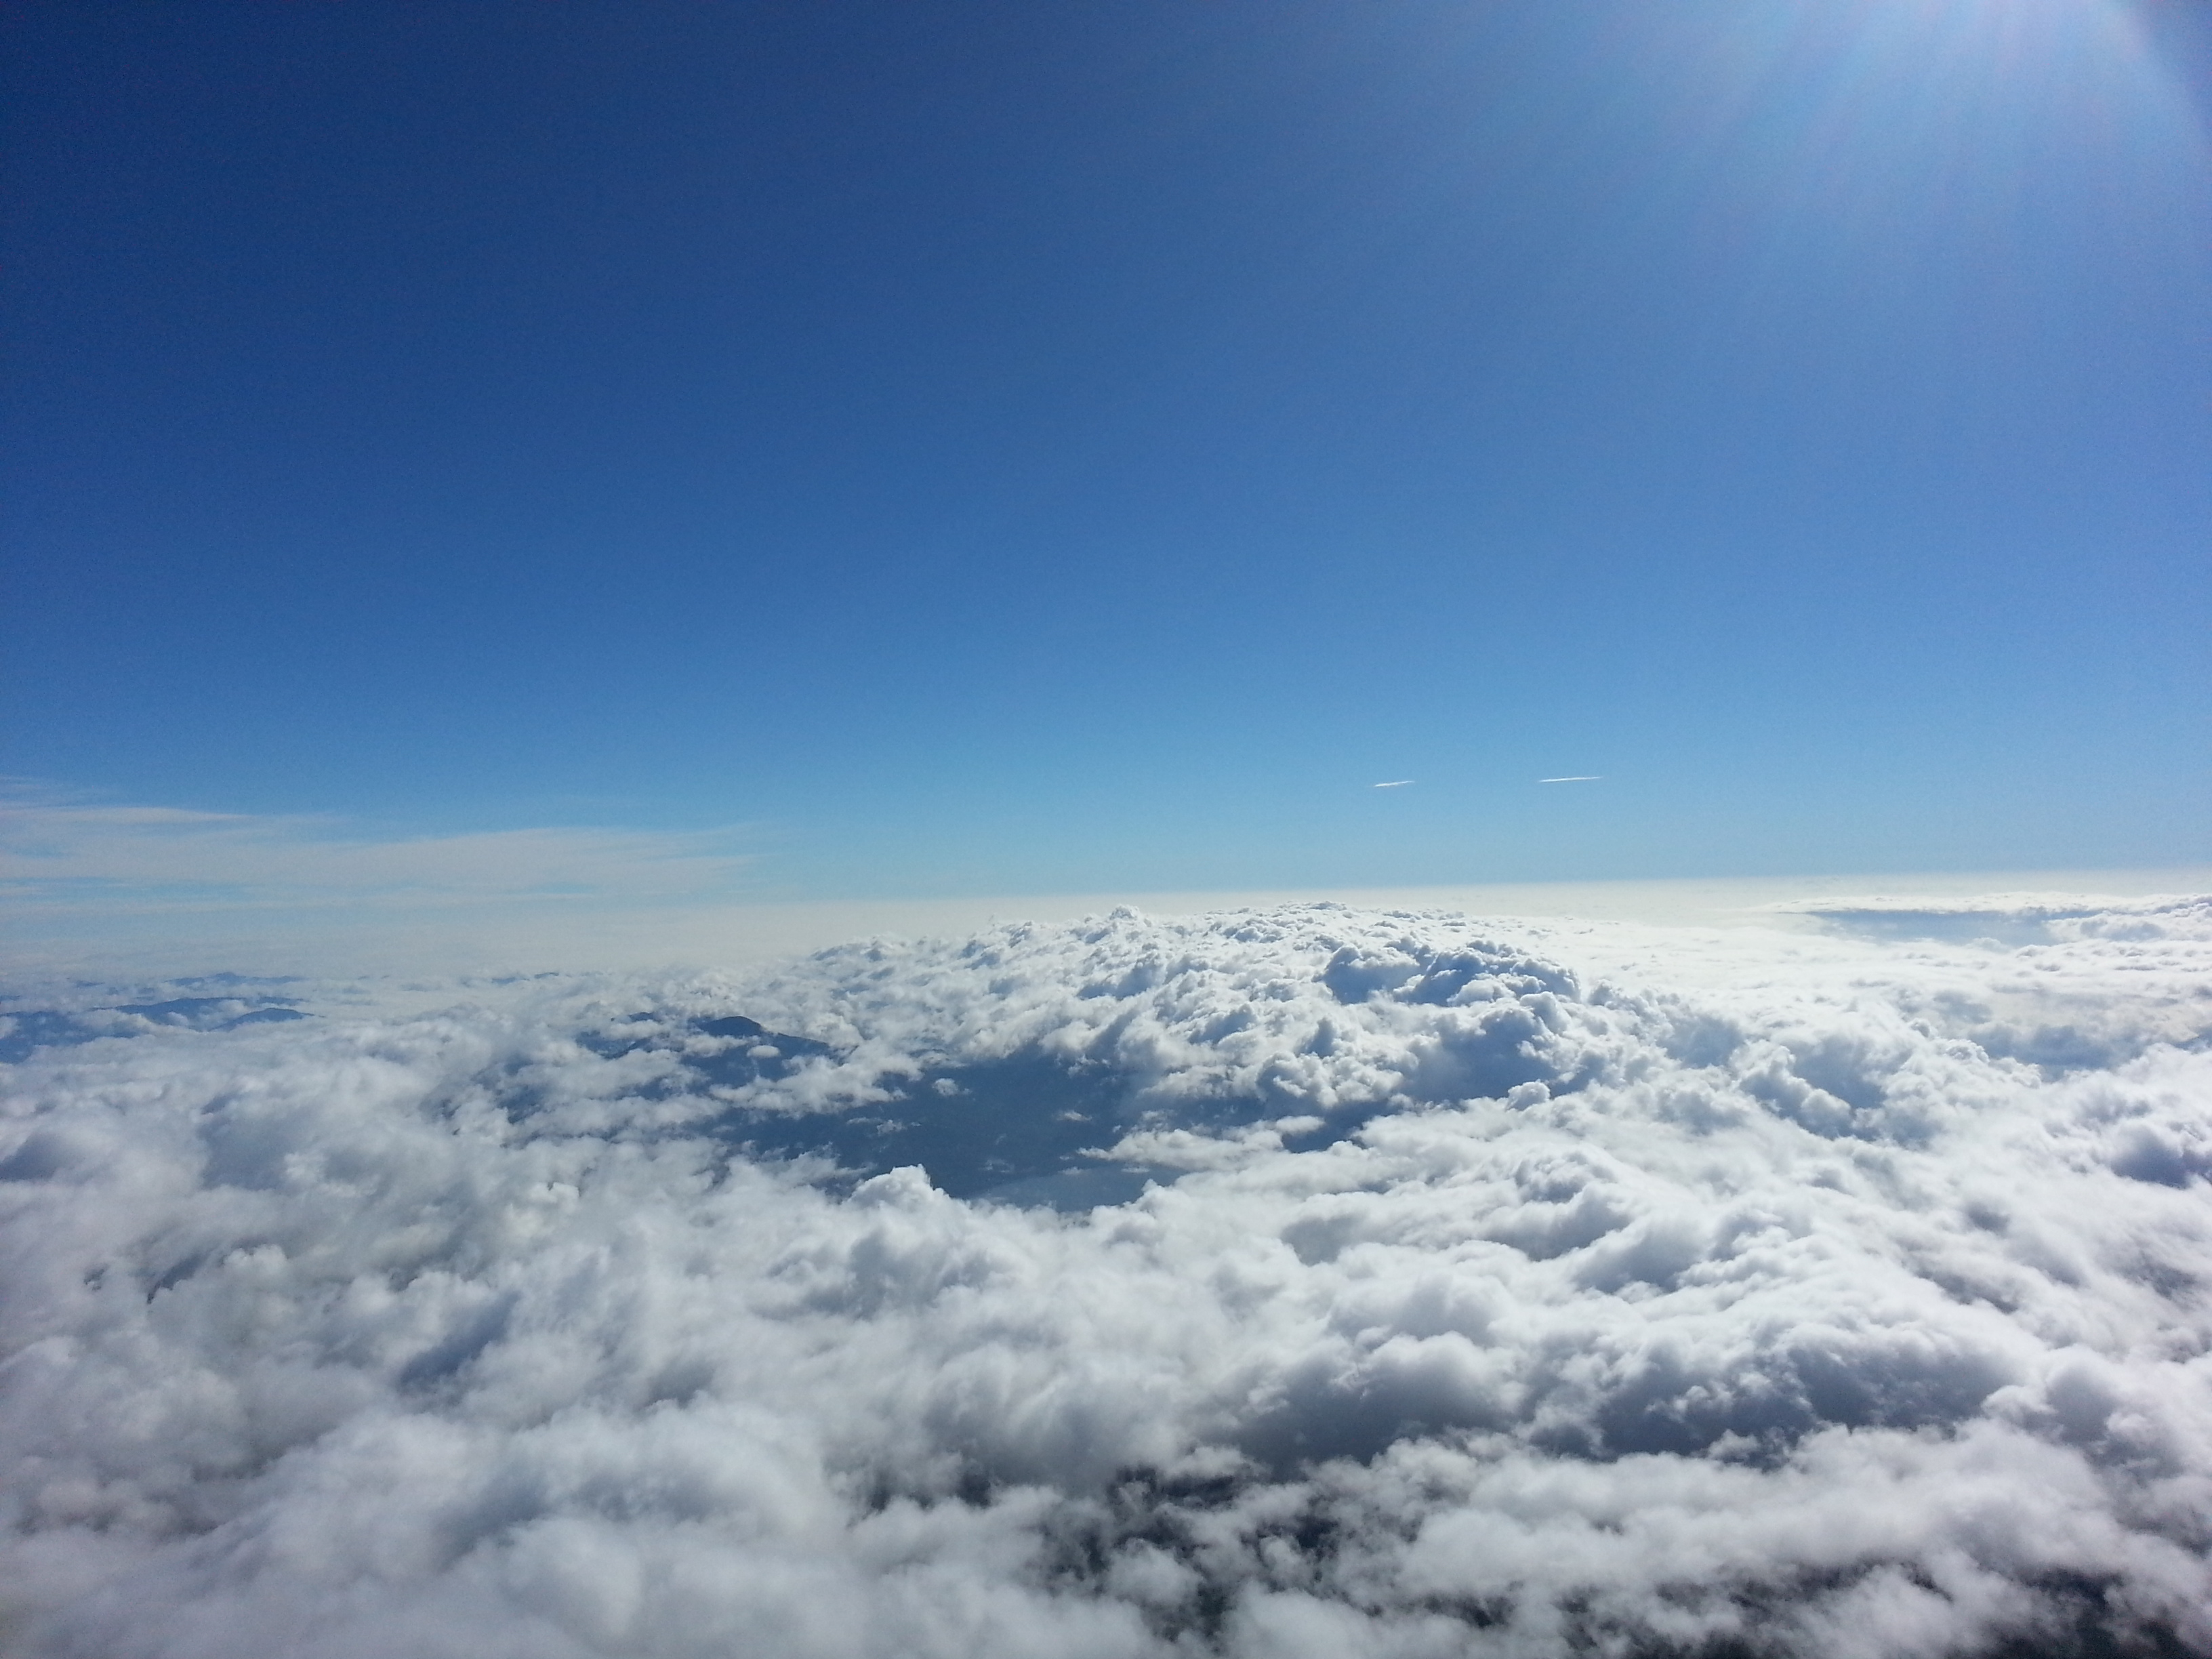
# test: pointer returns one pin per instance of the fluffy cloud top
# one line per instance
(1466, 1290)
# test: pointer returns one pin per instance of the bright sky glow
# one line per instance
(988, 449)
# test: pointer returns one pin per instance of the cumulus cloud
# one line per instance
(1303, 1281)
(2015, 918)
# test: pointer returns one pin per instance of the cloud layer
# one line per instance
(60, 853)
(1469, 1290)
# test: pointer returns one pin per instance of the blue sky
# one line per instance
(1014, 447)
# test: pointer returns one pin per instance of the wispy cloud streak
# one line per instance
(60, 852)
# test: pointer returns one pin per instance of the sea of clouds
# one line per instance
(1302, 1281)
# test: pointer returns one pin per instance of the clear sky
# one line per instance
(992, 446)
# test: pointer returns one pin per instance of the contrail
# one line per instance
(1395, 783)
(1585, 777)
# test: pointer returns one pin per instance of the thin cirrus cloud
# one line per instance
(60, 852)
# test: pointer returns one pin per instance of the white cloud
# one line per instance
(1533, 1289)
(57, 853)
